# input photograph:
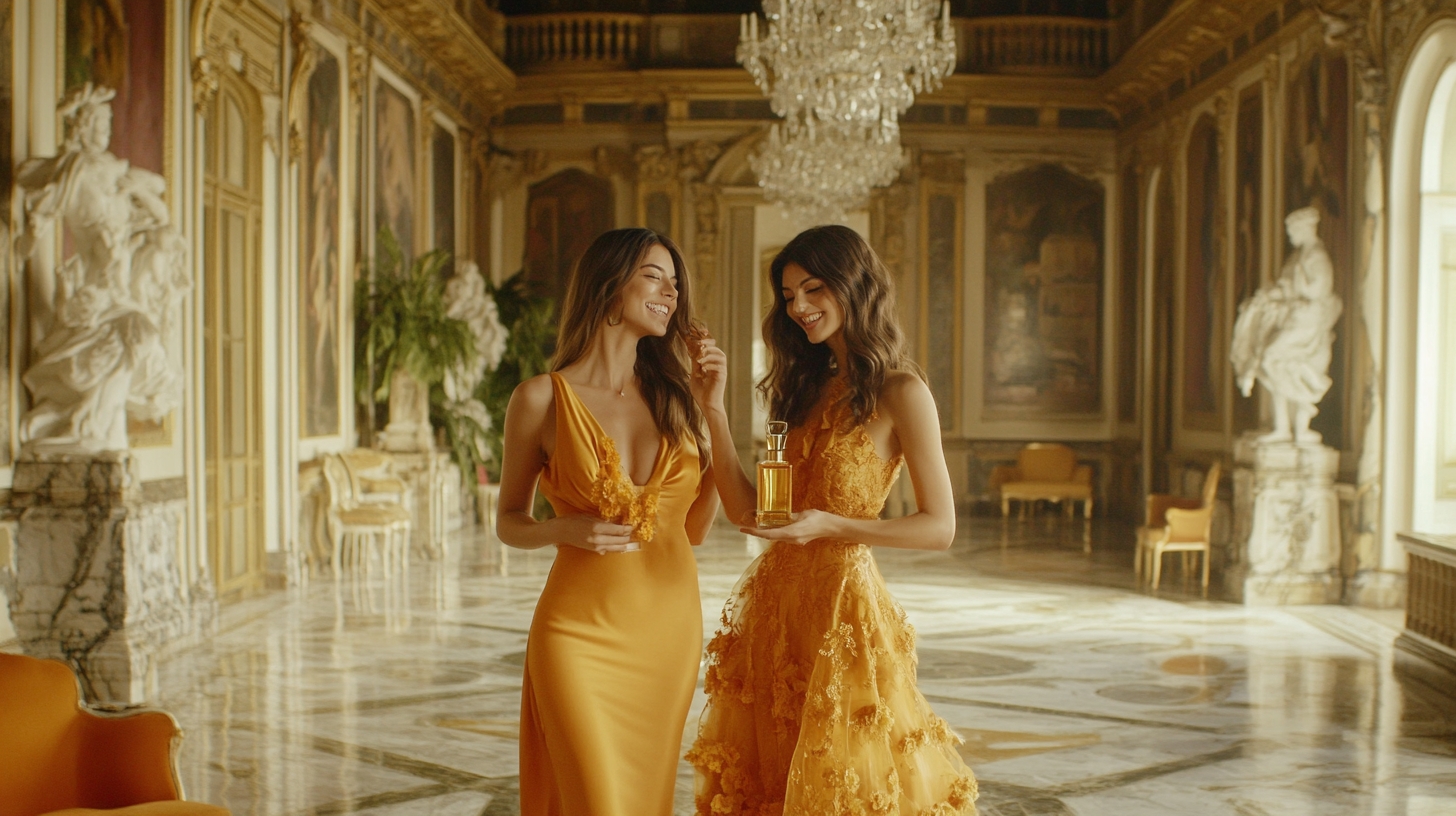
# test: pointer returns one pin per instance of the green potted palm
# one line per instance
(405, 344)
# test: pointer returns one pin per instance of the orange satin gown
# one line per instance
(612, 656)
(812, 703)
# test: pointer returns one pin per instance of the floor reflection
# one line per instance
(1076, 694)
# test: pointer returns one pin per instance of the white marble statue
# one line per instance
(105, 311)
(466, 299)
(1284, 333)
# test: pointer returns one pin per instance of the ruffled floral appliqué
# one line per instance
(812, 703)
(620, 501)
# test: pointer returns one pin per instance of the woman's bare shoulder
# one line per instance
(902, 385)
(534, 394)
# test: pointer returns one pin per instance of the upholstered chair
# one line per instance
(1044, 471)
(1177, 525)
(58, 757)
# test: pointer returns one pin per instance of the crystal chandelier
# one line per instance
(840, 73)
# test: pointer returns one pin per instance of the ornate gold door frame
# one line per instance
(232, 218)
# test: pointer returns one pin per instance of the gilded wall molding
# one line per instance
(1176, 47)
(359, 70)
(706, 209)
(1003, 163)
(242, 36)
(204, 71)
(305, 57)
(448, 40)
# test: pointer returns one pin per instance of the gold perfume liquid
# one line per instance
(775, 480)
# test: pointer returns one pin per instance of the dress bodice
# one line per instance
(836, 468)
(585, 474)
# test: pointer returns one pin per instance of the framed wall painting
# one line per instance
(444, 162)
(1044, 275)
(395, 162)
(564, 214)
(320, 278)
(1201, 339)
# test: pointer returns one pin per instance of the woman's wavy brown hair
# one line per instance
(663, 365)
(861, 285)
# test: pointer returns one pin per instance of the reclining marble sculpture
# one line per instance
(104, 313)
(1285, 332)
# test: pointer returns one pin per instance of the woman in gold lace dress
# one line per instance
(612, 435)
(812, 702)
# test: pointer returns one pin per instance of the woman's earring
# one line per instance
(614, 321)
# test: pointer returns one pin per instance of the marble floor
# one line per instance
(1075, 693)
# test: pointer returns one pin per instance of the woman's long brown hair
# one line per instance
(663, 366)
(860, 283)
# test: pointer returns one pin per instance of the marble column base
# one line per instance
(96, 578)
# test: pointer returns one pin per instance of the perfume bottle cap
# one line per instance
(777, 436)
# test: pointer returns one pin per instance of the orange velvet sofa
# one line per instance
(60, 759)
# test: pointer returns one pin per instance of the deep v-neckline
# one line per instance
(608, 441)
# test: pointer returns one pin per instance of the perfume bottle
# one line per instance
(775, 479)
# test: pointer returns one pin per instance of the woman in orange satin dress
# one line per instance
(612, 434)
(812, 702)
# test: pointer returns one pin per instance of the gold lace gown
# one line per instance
(812, 704)
(612, 656)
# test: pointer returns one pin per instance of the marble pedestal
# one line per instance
(1286, 524)
(433, 485)
(409, 429)
(97, 583)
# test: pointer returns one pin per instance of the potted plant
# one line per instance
(531, 322)
(405, 341)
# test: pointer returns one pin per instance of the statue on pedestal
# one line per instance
(1284, 333)
(104, 313)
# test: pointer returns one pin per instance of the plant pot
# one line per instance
(408, 430)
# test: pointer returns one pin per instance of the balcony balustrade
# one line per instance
(589, 41)
(1036, 46)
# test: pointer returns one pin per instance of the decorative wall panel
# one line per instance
(319, 272)
(442, 189)
(941, 298)
(1043, 298)
(1129, 285)
(1248, 220)
(1316, 174)
(564, 214)
(1202, 335)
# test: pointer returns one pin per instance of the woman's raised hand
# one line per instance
(710, 368)
(593, 534)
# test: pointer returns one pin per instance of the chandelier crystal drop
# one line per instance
(840, 73)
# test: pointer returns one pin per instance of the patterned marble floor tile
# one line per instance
(1076, 694)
